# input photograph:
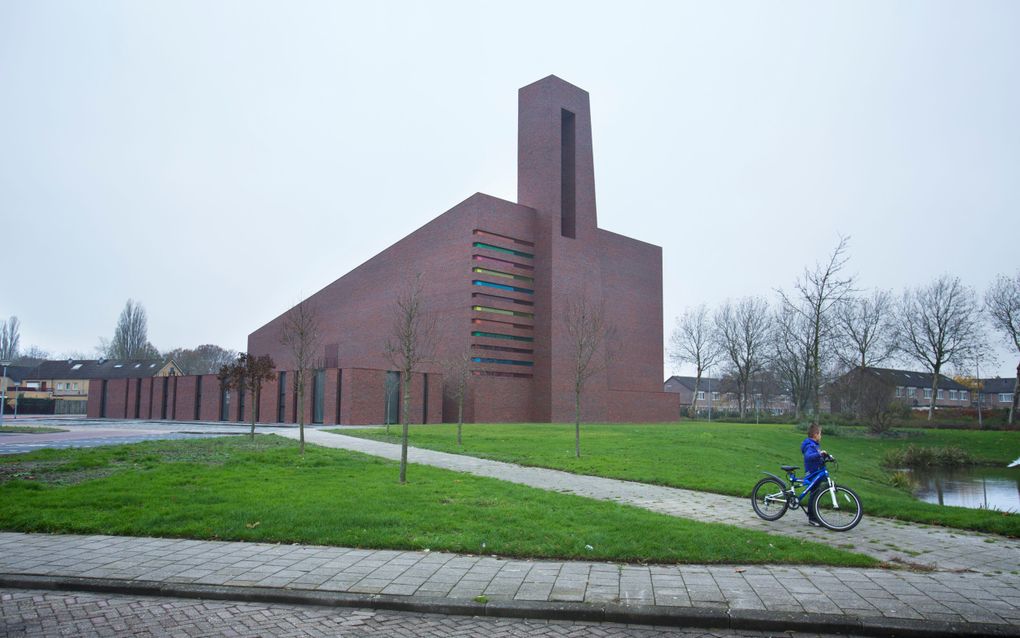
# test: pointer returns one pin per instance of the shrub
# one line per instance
(901, 480)
(918, 456)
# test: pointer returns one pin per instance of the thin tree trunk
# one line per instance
(256, 395)
(301, 407)
(934, 394)
(460, 416)
(403, 442)
(1016, 396)
(694, 397)
(577, 423)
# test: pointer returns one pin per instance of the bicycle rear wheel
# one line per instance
(768, 499)
(841, 516)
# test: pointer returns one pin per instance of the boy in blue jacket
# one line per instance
(813, 456)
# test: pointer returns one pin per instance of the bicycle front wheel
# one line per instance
(841, 513)
(769, 499)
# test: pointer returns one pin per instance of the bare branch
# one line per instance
(692, 342)
(410, 345)
(300, 336)
(938, 325)
(589, 334)
(742, 331)
(1002, 302)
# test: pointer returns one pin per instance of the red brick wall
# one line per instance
(210, 407)
(267, 402)
(95, 399)
(116, 398)
(185, 398)
(145, 399)
(497, 400)
(363, 398)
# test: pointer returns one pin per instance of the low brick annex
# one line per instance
(498, 276)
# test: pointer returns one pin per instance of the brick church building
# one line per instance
(498, 276)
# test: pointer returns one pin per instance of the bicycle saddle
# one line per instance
(789, 468)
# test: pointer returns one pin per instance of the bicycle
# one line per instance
(836, 507)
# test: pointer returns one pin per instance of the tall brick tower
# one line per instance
(556, 177)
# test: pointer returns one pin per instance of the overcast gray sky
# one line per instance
(219, 161)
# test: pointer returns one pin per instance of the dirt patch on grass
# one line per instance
(50, 473)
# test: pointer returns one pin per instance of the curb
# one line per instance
(700, 617)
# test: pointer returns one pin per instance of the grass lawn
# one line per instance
(233, 489)
(725, 458)
(27, 429)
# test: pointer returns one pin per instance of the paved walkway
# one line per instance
(912, 544)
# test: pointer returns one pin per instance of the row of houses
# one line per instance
(67, 382)
(911, 388)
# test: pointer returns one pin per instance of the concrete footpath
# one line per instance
(969, 584)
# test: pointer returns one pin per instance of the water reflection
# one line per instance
(979, 488)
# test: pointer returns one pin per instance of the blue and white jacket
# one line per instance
(812, 456)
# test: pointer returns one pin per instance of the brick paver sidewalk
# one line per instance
(180, 566)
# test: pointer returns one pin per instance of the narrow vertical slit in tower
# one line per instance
(567, 184)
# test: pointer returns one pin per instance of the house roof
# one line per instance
(997, 385)
(688, 382)
(911, 379)
(96, 369)
(18, 373)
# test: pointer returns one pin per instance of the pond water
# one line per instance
(995, 488)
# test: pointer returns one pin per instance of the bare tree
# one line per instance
(130, 337)
(742, 331)
(457, 371)
(792, 344)
(589, 336)
(692, 342)
(411, 343)
(1002, 301)
(938, 326)
(865, 326)
(815, 295)
(204, 359)
(300, 336)
(248, 373)
(33, 355)
(10, 335)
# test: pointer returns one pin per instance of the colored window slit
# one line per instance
(496, 273)
(519, 302)
(481, 346)
(501, 361)
(518, 326)
(492, 373)
(500, 311)
(485, 233)
(489, 284)
(501, 263)
(500, 249)
(497, 335)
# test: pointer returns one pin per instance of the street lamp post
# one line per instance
(3, 396)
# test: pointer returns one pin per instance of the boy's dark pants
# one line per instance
(811, 500)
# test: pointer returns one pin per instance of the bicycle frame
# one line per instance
(808, 482)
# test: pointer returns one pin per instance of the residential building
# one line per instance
(914, 388)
